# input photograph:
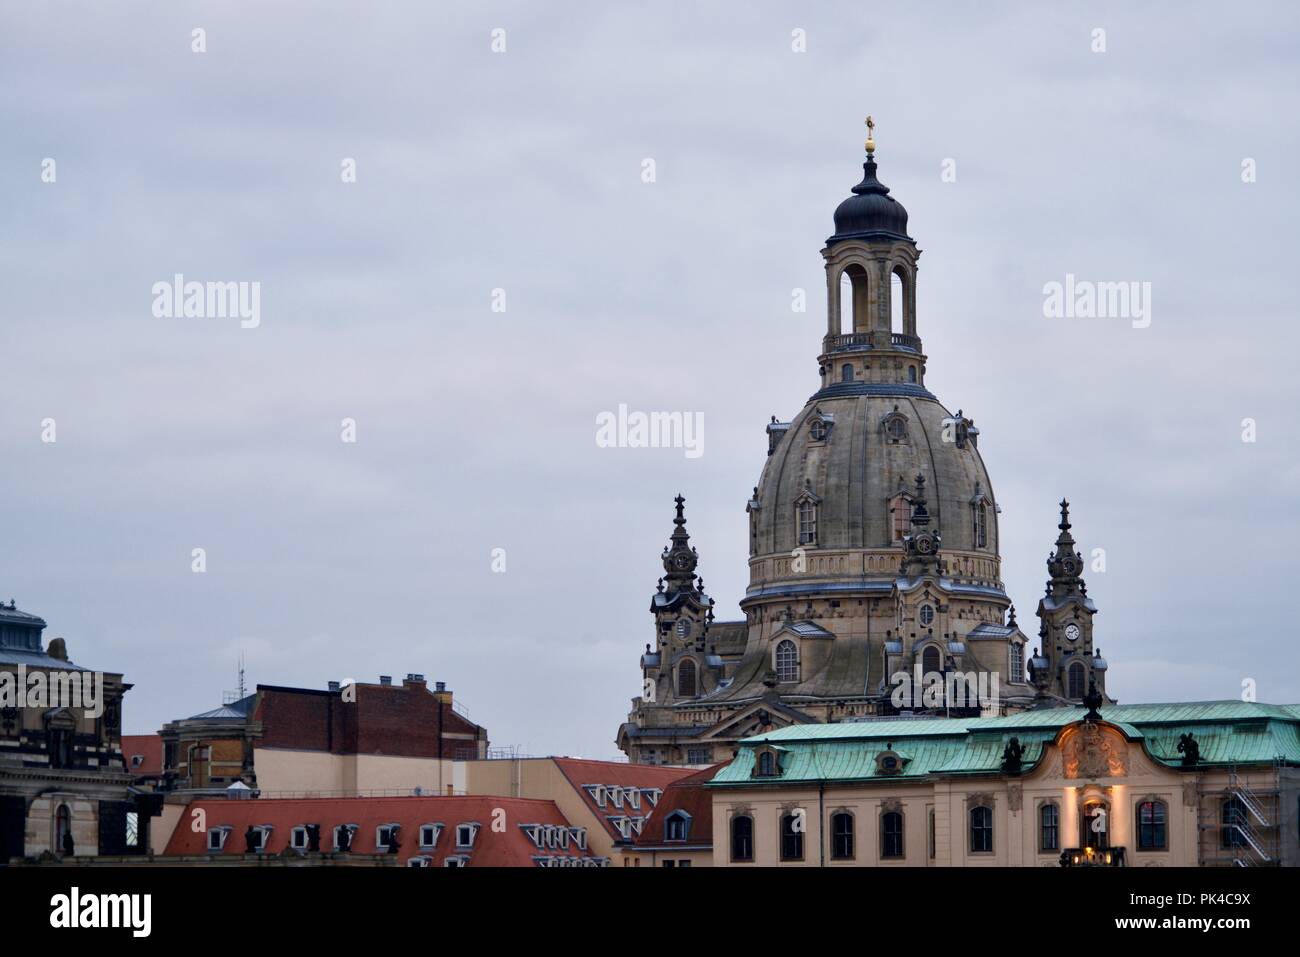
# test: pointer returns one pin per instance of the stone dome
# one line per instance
(852, 451)
(870, 213)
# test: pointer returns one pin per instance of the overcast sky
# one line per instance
(475, 429)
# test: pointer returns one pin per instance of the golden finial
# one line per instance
(871, 135)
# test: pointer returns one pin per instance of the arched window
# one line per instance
(807, 522)
(911, 374)
(891, 834)
(817, 431)
(1152, 830)
(900, 515)
(1049, 828)
(766, 765)
(62, 828)
(792, 828)
(1017, 662)
(787, 661)
(1234, 820)
(931, 663)
(686, 679)
(981, 530)
(742, 838)
(1077, 680)
(981, 830)
(846, 372)
(854, 312)
(842, 836)
(897, 302)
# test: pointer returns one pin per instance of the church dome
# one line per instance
(870, 213)
(851, 461)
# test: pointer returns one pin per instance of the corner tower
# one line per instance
(1066, 663)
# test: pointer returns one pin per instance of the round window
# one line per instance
(818, 430)
(927, 614)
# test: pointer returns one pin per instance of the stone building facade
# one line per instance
(64, 788)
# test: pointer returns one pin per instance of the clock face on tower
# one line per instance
(682, 561)
(1072, 632)
(683, 627)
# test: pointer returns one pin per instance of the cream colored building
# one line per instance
(1036, 789)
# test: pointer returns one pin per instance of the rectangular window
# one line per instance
(465, 835)
(981, 830)
(742, 838)
(807, 523)
(298, 838)
(842, 836)
(429, 835)
(697, 755)
(791, 837)
(1049, 831)
(1152, 833)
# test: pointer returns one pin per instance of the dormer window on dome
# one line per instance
(820, 426)
(805, 505)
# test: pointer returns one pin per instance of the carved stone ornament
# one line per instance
(1014, 797)
(1094, 751)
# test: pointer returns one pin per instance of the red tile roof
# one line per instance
(685, 794)
(511, 847)
(146, 746)
(581, 772)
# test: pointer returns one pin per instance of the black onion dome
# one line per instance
(870, 213)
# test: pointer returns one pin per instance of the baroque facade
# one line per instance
(64, 788)
(1161, 785)
(873, 547)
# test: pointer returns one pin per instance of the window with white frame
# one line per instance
(1017, 661)
(339, 831)
(259, 838)
(420, 861)
(465, 834)
(298, 838)
(217, 838)
(677, 826)
(384, 836)
(429, 834)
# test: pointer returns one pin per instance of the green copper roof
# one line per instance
(1228, 732)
